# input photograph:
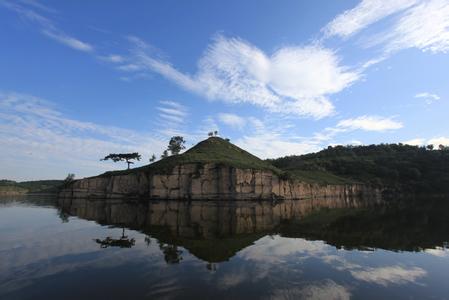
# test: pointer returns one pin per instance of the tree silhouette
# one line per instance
(171, 253)
(152, 158)
(123, 157)
(176, 144)
(68, 180)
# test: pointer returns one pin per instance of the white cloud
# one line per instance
(439, 141)
(415, 142)
(433, 141)
(421, 24)
(114, 58)
(272, 145)
(429, 98)
(364, 14)
(232, 120)
(389, 275)
(34, 134)
(46, 26)
(369, 123)
(424, 26)
(67, 40)
(173, 112)
(294, 80)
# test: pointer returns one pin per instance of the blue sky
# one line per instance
(79, 81)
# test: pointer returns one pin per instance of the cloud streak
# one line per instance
(369, 123)
(364, 14)
(293, 80)
(36, 134)
(46, 26)
(420, 24)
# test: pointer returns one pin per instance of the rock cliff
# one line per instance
(210, 181)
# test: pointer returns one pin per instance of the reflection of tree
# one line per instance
(171, 253)
(211, 267)
(122, 242)
(63, 216)
(148, 240)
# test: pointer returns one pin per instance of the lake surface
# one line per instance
(311, 249)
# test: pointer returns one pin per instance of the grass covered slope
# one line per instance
(213, 150)
(417, 169)
(38, 186)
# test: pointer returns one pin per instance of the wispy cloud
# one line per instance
(389, 275)
(113, 58)
(232, 120)
(429, 98)
(424, 26)
(173, 112)
(36, 134)
(369, 123)
(421, 24)
(293, 80)
(327, 289)
(364, 14)
(45, 25)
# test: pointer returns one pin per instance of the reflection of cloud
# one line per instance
(440, 252)
(327, 290)
(389, 275)
(275, 249)
(380, 275)
(230, 280)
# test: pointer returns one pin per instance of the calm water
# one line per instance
(321, 249)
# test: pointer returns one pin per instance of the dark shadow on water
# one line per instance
(214, 231)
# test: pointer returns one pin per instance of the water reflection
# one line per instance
(121, 242)
(213, 231)
(319, 249)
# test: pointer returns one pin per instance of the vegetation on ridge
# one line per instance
(212, 150)
(39, 186)
(405, 167)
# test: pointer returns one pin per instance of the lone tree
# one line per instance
(176, 144)
(164, 154)
(152, 158)
(123, 157)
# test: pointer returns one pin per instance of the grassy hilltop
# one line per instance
(213, 150)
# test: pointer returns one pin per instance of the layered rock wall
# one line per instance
(208, 182)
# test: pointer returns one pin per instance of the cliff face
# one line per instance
(208, 182)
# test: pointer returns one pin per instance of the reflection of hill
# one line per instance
(410, 226)
(211, 230)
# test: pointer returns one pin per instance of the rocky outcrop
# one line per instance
(208, 182)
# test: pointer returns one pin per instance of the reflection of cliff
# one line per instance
(212, 230)
(407, 225)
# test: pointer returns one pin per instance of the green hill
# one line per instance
(404, 167)
(38, 186)
(213, 150)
